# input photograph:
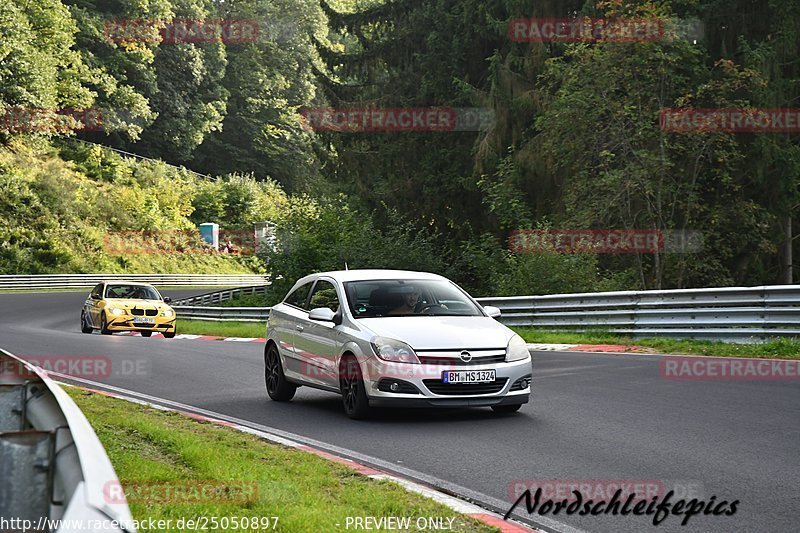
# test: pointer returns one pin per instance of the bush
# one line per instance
(59, 216)
(237, 201)
(487, 268)
(329, 234)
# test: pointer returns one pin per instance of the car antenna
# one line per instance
(345, 266)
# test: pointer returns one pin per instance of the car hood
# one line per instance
(128, 303)
(441, 332)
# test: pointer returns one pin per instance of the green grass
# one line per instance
(163, 289)
(221, 329)
(783, 348)
(306, 492)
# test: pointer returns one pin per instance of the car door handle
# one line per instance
(299, 328)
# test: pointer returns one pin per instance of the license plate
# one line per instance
(468, 376)
(144, 321)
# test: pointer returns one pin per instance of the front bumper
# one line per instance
(417, 402)
(125, 323)
(421, 385)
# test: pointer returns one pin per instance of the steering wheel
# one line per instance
(430, 306)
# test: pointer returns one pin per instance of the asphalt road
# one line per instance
(592, 417)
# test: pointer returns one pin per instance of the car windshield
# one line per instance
(382, 298)
(140, 292)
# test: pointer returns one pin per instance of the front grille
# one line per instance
(455, 361)
(437, 386)
(451, 357)
(151, 312)
(137, 312)
(141, 312)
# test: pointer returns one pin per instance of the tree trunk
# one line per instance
(786, 265)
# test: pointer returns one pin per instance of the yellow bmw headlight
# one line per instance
(116, 311)
(168, 313)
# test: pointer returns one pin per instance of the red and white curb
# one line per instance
(612, 348)
(186, 336)
(457, 505)
(550, 347)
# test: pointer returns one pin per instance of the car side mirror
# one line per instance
(167, 299)
(492, 311)
(321, 313)
(94, 296)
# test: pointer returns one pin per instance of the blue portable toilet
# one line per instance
(209, 232)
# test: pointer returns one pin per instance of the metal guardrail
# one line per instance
(216, 297)
(52, 465)
(69, 281)
(221, 314)
(737, 314)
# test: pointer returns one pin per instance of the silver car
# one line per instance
(393, 338)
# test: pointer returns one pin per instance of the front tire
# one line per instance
(506, 409)
(278, 388)
(354, 393)
(145, 333)
(85, 327)
(104, 326)
(170, 334)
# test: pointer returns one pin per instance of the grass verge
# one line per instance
(221, 329)
(152, 448)
(163, 289)
(780, 348)
(783, 348)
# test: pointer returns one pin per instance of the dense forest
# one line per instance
(573, 141)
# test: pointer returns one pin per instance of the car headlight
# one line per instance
(517, 350)
(393, 350)
(168, 313)
(116, 311)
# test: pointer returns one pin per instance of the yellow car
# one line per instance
(127, 306)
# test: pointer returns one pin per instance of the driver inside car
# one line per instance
(408, 302)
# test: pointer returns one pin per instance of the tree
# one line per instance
(40, 71)
(268, 81)
(775, 164)
(189, 96)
